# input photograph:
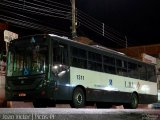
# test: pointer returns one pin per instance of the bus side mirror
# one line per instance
(59, 70)
(55, 69)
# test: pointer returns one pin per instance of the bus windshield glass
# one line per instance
(27, 57)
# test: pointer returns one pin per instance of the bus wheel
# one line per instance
(40, 103)
(78, 98)
(134, 102)
(103, 105)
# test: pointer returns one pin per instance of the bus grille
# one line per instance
(23, 82)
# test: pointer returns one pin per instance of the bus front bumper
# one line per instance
(29, 95)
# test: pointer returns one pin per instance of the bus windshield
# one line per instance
(27, 58)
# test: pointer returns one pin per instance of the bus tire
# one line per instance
(78, 98)
(134, 102)
(40, 103)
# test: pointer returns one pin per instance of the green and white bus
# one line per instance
(48, 69)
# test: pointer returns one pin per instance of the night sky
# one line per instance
(138, 20)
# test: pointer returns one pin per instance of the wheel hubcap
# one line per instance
(79, 98)
(135, 102)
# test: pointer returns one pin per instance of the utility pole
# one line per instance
(103, 29)
(126, 41)
(74, 34)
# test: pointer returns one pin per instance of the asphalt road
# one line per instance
(25, 111)
(77, 114)
(30, 105)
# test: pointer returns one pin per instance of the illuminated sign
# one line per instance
(8, 36)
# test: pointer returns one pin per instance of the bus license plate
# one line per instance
(22, 94)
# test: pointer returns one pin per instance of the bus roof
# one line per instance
(99, 48)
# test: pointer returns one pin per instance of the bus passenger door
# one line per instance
(60, 70)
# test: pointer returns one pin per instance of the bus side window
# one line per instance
(121, 66)
(60, 54)
(132, 70)
(151, 74)
(109, 64)
(94, 61)
(78, 57)
(142, 72)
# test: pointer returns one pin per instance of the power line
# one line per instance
(92, 19)
(55, 4)
(47, 8)
(101, 31)
(63, 12)
(108, 37)
(39, 11)
(20, 15)
(31, 25)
